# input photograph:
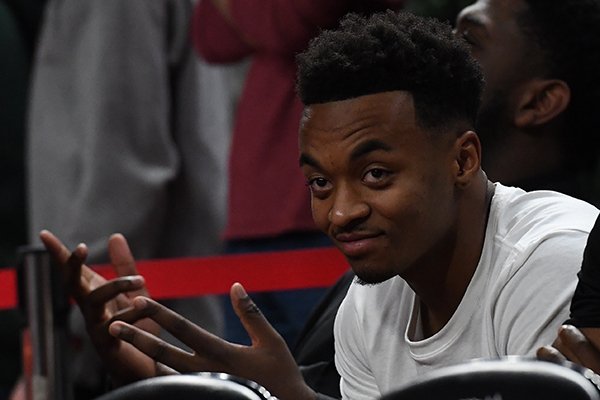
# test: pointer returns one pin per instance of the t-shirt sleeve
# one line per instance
(535, 299)
(357, 381)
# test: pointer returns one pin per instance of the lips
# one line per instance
(355, 245)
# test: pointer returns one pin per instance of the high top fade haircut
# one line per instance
(391, 51)
(567, 35)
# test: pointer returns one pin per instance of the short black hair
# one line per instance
(390, 51)
(567, 34)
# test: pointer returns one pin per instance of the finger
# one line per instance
(109, 291)
(153, 347)
(577, 346)
(549, 353)
(69, 263)
(204, 343)
(56, 248)
(257, 326)
(123, 261)
(120, 255)
(564, 349)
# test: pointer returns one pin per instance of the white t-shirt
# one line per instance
(515, 302)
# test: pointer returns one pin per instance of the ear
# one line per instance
(467, 162)
(541, 102)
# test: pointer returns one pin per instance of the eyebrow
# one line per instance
(305, 159)
(368, 147)
(360, 151)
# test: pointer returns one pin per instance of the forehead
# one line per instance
(496, 16)
(341, 119)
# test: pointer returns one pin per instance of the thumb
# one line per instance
(259, 329)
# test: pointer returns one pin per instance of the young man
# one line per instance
(538, 115)
(450, 266)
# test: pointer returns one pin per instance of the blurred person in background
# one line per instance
(537, 119)
(128, 132)
(19, 23)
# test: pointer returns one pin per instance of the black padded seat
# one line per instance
(511, 378)
(202, 386)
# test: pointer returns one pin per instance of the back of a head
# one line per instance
(391, 51)
(567, 32)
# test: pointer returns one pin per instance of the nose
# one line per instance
(348, 208)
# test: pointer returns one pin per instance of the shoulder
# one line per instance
(538, 234)
(521, 217)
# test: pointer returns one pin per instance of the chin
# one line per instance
(371, 275)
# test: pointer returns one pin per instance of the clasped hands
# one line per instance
(123, 323)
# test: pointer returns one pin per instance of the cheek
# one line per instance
(408, 207)
(320, 213)
(394, 206)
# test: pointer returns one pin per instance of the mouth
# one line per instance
(355, 245)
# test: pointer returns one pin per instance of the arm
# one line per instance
(534, 301)
(267, 361)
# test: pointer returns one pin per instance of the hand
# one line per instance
(578, 346)
(267, 361)
(100, 301)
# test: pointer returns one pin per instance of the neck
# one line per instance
(441, 285)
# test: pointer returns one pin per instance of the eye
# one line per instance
(376, 175)
(318, 185)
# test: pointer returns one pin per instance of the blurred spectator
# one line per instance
(537, 120)
(128, 132)
(19, 20)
